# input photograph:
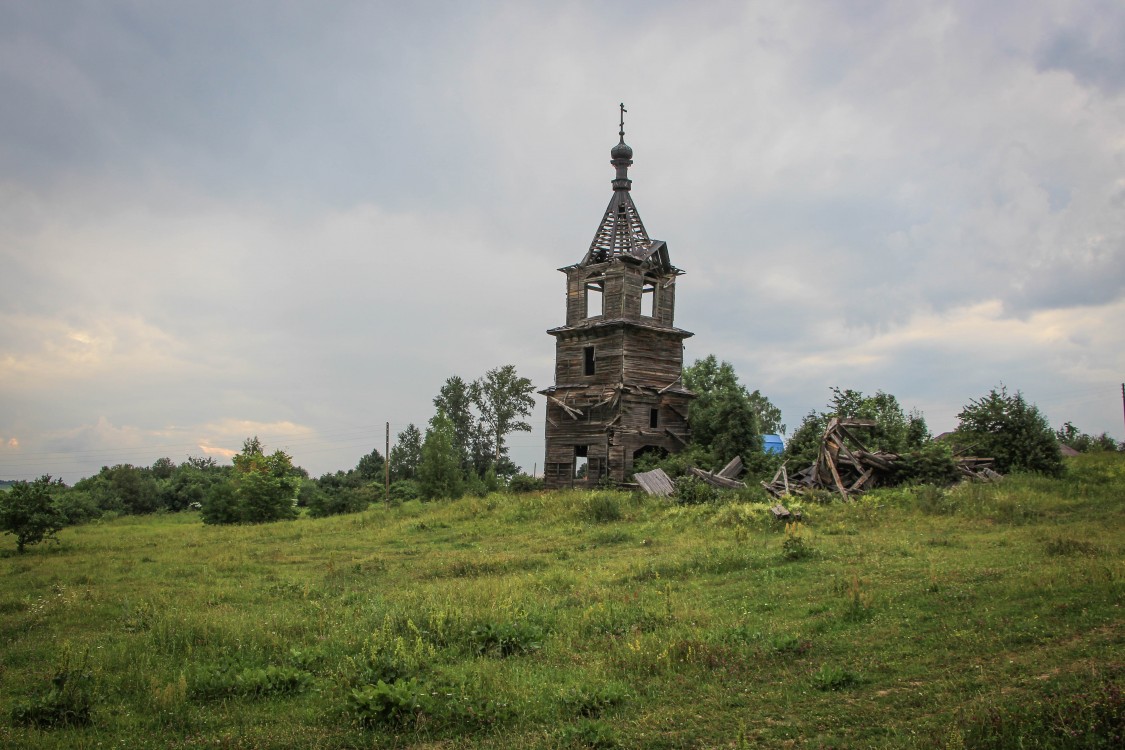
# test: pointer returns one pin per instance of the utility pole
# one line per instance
(387, 467)
(1123, 399)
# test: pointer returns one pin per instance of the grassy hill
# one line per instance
(985, 616)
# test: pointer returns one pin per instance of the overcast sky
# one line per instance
(297, 219)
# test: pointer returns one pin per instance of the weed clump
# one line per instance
(589, 733)
(66, 702)
(505, 639)
(834, 678)
(795, 546)
(592, 702)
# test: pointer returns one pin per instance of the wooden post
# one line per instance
(387, 467)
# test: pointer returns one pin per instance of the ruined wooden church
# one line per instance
(618, 392)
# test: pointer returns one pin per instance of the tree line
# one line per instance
(464, 450)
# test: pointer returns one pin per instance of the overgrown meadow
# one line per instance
(981, 616)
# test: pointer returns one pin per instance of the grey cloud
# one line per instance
(1094, 55)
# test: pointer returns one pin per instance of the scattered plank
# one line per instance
(655, 482)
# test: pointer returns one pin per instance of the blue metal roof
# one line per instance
(772, 444)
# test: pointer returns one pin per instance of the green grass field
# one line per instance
(984, 616)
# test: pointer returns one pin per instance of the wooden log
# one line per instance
(780, 512)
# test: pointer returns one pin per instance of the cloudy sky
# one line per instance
(296, 219)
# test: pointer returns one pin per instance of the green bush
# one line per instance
(77, 507)
(322, 503)
(694, 491)
(601, 508)
(930, 464)
(230, 680)
(521, 483)
(396, 704)
(404, 490)
(505, 639)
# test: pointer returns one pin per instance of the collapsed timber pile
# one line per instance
(845, 465)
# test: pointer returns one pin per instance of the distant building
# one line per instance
(773, 444)
(618, 391)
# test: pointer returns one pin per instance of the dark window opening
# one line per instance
(648, 299)
(654, 418)
(594, 296)
(589, 364)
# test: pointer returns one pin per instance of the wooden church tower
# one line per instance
(618, 391)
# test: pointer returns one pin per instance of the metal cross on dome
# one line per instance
(623, 111)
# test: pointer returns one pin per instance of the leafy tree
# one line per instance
(123, 488)
(456, 399)
(163, 468)
(28, 511)
(726, 419)
(406, 454)
(504, 399)
(1070, 435)
(370, 467)
(262, 488)
(1010, 430)
(439, 473)
(327, 497)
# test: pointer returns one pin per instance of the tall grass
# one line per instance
(982, 616)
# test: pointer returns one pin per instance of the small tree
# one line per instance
(1010, 430)
(439, 473)
(727, 419)
(28, 512)
(262, 488)
(504, 400)
(406, 454)
(1070, 435)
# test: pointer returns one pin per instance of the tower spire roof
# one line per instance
(621, 231)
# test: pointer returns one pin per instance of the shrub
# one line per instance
(795, 547)
(322, 503)
(505, 639)
(230, 679)
(601, 508)
(694, 491)
(397, 703)
(76, 507)
(521, 483)
(930, 464)
(404, 490)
